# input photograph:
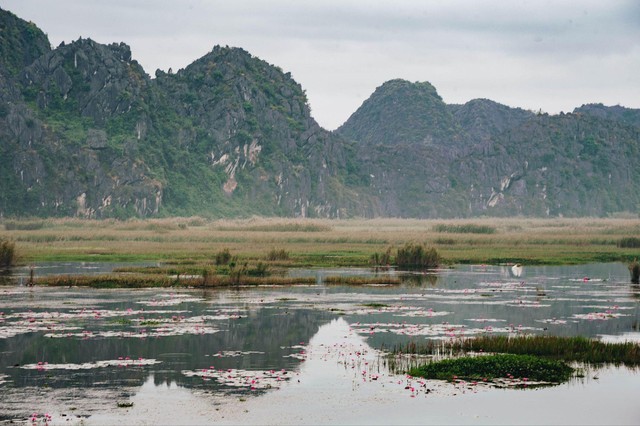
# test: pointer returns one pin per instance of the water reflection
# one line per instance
(264, 329)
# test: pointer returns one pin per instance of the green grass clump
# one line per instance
(417, 256)
(495, 366)
(467, 228)
(629, 242)
(275, 254)
(7, 252)
(381, 259)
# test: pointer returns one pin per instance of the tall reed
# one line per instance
(7, 252)
(417, 256)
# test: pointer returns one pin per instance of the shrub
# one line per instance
(223, 257)
(417, 256)
(7, 252)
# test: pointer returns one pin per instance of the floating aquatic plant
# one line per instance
(489, 367)
(249, 379)
(120, 362)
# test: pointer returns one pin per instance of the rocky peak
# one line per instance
(619, 113)
(401, 112)
(98, 81)
(482, 118)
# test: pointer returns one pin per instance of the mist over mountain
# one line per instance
(85, 131)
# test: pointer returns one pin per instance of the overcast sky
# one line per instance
(535, 54)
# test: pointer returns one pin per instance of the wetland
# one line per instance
(321, 350)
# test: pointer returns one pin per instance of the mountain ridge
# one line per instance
(85, 131)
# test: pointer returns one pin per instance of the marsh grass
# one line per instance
(277, 255)
(579, 349)
(274, 225)
(24, 225)
(111, 281)
(382, 259)
(150, 281)
(464, 228)
(7, 252)
(629, 242)
(332, 243)
(417, 256)
(384, 280)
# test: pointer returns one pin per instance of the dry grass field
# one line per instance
(316, 242)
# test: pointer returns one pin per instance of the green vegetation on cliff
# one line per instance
(85, 131)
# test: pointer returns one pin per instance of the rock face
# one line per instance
(483, 158)
(85, 131)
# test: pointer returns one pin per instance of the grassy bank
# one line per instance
(323, 242)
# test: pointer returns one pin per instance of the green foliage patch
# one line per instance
(496, 366)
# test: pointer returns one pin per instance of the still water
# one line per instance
(306, 354)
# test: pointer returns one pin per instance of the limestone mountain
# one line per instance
(483, 158)
(85, 131)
